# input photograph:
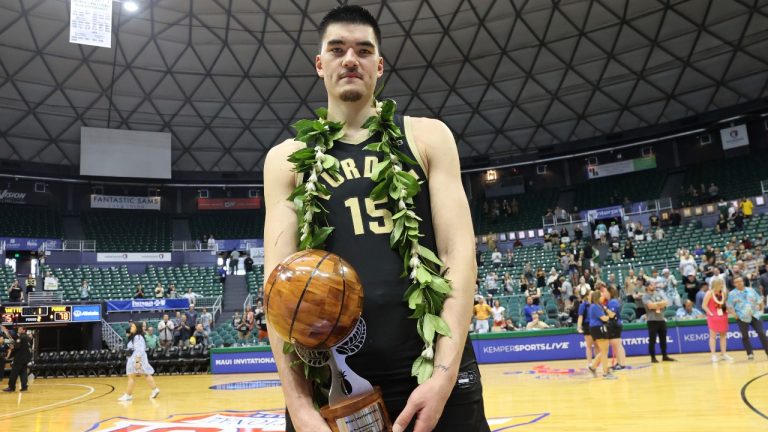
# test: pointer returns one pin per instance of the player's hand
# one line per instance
(426, 404)
(309, 420)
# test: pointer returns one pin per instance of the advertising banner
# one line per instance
(90, 22)
(533, 348)
(83, 313)
(8, 196)
(146, 304)
(125, 202)
(29, 244)
(734, 137)
(133, 257)
(228, 203)
(238, 244)
(621, 167)
(605, 213)
(242, 361)
(696, 338)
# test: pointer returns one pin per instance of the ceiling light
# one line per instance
(130, 6)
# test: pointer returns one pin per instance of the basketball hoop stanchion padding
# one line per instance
(314, 299)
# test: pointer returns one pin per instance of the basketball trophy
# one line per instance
(314, 299)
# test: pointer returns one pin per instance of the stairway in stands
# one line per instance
(235, 292)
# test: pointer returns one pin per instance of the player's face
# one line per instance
(349, 62)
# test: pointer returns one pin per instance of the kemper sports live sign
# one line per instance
(125, 202)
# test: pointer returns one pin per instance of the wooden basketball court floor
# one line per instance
(690, 395)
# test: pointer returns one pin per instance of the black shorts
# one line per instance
(598, 332)
(614, 332)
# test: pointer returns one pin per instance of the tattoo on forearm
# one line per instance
(442, 367)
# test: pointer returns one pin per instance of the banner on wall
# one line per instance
(238, 244)
(605, 213)
(90, 22)
(127, 257)
(621, 167)
(146, 305)
(125, 202)
(246, 361)
(29, 244)
(8, 196)
(734, 137)
(229, 203)
(257, 255)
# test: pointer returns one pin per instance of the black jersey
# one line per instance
(361, 237)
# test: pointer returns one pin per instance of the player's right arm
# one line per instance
(280, 240)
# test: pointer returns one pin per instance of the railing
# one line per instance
(248, 303)
(189, 245)
(45, 297)
(650, 206)
(211, 303)
(76, 246)
(110, 336)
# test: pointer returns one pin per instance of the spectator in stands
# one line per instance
(261, 323)
(482, 312)
(687, 263)
(206, 319)
(491, 283)
(615, 251)
(614, 231)
(714, 305)
(159, 291)
(668, 283)
(191, 296)
(172, 293)
(759, 241)
(222, 274)
(139, 292)
(211, 242)
(517, 243)
(507, 282)
(177, 328)
(541, 279)
(566, 287)
(688, 311)
(234, 262)
(510, 258)
(530, 308)
(714, 191)
(201, 337)
(498, 312)
(165, 331)
(151, 338)
(548, 240)
(536, 323)
(691, 286)
(185, 331)
(658, 234)
(15, 293)
(85, 290)
(747, 305)
(638, 232)
(514, 207)
(250, 321)
(629, 250)
(738, 221)
(549, 217)
(496, 258)
(700, 295)
(746, 207)
(248, 264)
(722, 224)
(655, 302)
(191, 315)
(583, 287)
(762, 281)
(31, 283)
(523, 284)
(578, 233)
(653, 220)
(491, 241)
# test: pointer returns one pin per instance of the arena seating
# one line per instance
(7, 276)
(227, 225)
(221, 334)
(639, 186)
(735, 178)
(255, 279)
(116, 283)
(26, 221)
(134, 231)
(533, 205)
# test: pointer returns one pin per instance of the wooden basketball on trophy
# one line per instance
(313, 298)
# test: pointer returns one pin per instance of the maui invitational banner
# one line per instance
(228, 203)
(125, 202)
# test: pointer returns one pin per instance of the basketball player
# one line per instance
(350, 64)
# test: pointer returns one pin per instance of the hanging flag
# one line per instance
(90, 22)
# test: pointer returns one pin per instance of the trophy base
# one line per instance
(362, 414)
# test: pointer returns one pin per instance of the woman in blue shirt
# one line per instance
(582, 326)
(598, 318)
(614, 328)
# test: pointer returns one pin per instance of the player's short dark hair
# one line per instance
(350, 14)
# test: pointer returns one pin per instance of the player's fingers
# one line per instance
(405, 417)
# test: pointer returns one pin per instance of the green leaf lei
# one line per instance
(428, 289)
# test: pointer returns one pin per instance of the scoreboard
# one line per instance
(49, 314)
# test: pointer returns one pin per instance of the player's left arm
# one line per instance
(455, 239)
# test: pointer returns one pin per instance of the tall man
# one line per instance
(655, 302)
(350, 63)
(748, 305)
(22, 354)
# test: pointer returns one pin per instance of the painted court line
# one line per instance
(55, 403)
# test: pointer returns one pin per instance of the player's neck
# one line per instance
(352, 114)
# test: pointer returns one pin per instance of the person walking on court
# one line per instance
(655, 302)
(22, 354)
(138, 364)
(615, 327)
(747, 305)
(715, 308)
(598, 329)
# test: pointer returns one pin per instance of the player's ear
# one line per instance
(319, 66)
(380, 67)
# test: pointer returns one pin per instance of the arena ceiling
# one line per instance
(228, 77)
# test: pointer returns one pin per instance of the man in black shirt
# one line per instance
(3, 356)
(22, 354)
